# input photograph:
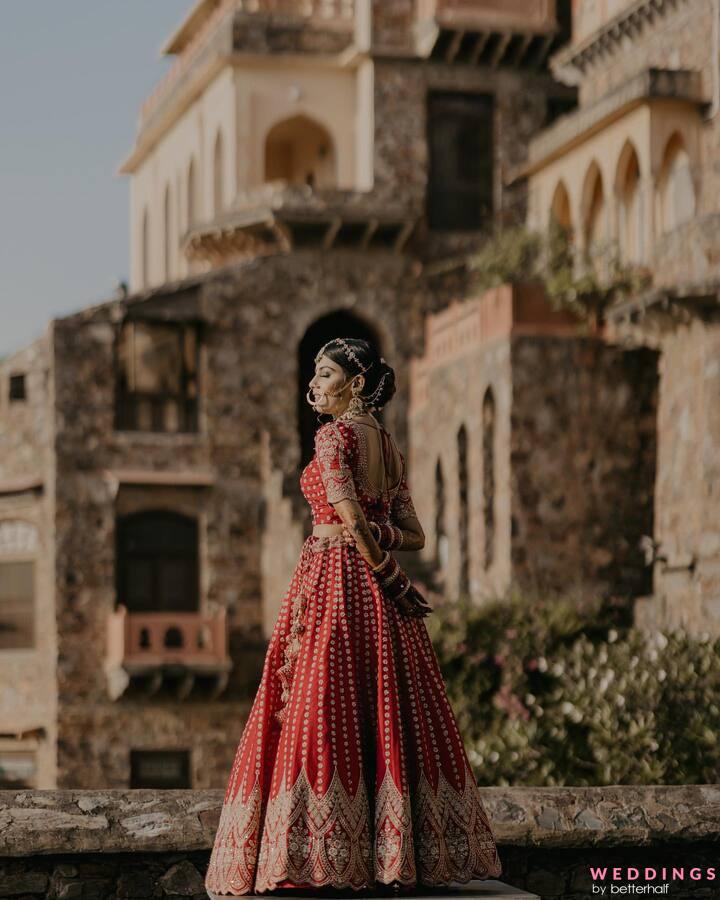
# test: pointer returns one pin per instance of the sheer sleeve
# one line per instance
(333, 455)
(402, 505)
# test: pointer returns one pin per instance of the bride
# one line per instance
(351, 771)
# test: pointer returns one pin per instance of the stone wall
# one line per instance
(687, 529)
(447, 392)
(401, 149)
(571, 484)
(27, 478)
(582, 463)
(254, 316)
(141, 844)
(25, 428)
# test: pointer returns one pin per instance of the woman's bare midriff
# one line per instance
(326, 530)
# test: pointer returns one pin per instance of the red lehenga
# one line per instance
(350, 769)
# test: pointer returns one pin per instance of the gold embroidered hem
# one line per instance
(326, 839)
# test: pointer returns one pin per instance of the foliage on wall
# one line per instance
(584, 283)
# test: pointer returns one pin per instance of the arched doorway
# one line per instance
(336, 324)
(300, 151)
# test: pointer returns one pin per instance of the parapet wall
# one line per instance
(143, 843)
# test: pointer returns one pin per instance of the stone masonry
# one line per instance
(560, 485)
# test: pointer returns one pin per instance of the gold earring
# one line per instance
(356, 406)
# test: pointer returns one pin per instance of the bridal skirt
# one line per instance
(350, 769)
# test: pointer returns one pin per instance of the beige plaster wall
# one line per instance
(647, 128)
(243, 103)
(192, 137)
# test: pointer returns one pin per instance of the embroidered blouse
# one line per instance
(338, 471)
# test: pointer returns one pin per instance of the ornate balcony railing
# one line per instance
(145, 643)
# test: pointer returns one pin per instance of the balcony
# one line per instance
(152, 645)
(279, 217)
(514, 33)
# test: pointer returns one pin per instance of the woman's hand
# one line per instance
(398, 587)
(347, 536)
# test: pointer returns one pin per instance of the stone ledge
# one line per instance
(114, 821)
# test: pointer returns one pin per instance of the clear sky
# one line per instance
(73, 74)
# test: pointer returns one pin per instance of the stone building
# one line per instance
(634, 169)
(291, 177)
(534, 448)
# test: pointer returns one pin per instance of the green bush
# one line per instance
(564, 691)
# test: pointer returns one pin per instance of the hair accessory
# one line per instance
(347, 350)
(359, 404)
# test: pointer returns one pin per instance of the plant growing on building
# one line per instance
(584, 282)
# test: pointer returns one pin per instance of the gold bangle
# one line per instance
(383, 562)
(388, 581)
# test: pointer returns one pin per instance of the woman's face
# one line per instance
(330, 378)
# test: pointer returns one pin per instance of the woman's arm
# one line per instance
(413, 534)
(357, 528)
(358, 531)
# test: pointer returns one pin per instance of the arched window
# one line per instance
(441, 538)
(218, 162)
(560, 209)
(167, 233)
(300, 151)
(145, 250)
(676, 190)
(157, 562)
(464, 510)
(192, 195)
(629, 205)
(594, 210)
(488, 438)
